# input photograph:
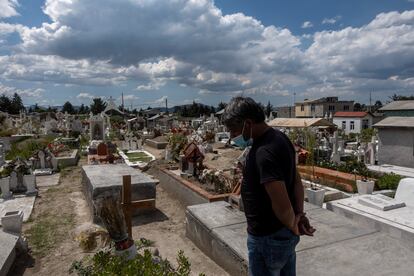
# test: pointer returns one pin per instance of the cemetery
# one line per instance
(114, 180)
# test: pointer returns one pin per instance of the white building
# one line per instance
(352, 122)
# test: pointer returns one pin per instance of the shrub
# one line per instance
(389, 181)
(106, 263)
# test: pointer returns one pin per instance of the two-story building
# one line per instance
(353, 122)
(320, 107)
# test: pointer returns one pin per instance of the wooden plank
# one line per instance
(146, 203)
(126, 202)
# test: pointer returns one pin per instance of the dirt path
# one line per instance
(60, 209)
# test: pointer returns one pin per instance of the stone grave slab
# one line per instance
(7, 251)
(47, 180)
(336, 239)
(373, 254)
(398, 223)
(380, 202)
(98, 179)
(18, 203)
(216, 214)
(325, 222)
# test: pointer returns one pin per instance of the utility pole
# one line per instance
(166, 105)
(370, 103)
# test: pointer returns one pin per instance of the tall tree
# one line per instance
(98, 106)
(357, 107)
(82, 109)
(221, 106)
(68, 107)
(5, 103)
(16, 104)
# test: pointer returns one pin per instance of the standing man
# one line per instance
(272, 190)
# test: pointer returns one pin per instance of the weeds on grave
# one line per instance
(106, 263)
(389, 181)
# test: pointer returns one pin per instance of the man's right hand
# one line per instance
(304, 226)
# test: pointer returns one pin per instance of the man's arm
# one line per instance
(299, 194)
(281, 204)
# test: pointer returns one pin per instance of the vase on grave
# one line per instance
(315, 196)
(365, 186)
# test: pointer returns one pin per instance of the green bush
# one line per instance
(389, 181)
(106, 263)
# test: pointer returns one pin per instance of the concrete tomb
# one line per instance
(97, 180)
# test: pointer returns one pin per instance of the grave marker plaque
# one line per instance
(380, 202)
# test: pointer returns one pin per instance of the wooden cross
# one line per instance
(128, 206)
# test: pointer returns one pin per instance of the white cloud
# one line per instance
(332, 20)
(161, 100)
(25, 93)
(306, 25)
(8, 8)
(85, 96)
(129, 97)
(197, 46)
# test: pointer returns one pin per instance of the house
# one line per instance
(399, 109)
(396, 141)
(285, 112)
(321, 107)
(353, 121)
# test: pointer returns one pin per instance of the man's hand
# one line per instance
(304, 226)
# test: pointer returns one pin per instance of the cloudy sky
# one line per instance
(208, 51)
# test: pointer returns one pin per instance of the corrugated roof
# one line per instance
(396, 122)
(398, 105)
(300, 122)
(351, 114)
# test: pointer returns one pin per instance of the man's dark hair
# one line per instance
(241, 108)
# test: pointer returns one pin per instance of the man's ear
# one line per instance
(249, 123)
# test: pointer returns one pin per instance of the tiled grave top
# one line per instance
(110, 175)
(403, 217)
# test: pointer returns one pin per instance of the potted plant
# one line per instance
(365, 186)
(110, 212)
(315, 194)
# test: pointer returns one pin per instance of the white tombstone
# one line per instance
(41, 156)
(5, 187)
(405, 191)
(29, 182)
(54, 162)
(13, 180)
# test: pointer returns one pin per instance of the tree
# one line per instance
(16, 104)
(377, 105)
(98, 106)
(269, 109)
(5, 103)
(357, 107)
(82, 109)
(68, 107)
(221, 106)
(396, 97)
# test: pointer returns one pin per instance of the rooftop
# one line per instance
(407, 122)
(353, 114)
(300, 122)
(398, 105)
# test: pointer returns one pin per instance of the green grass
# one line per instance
(48, 231)
(138, 156)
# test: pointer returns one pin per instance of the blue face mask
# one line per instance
(240, 141)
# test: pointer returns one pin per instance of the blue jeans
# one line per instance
(273, 254)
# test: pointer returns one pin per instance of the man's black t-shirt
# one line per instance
(271, 158)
